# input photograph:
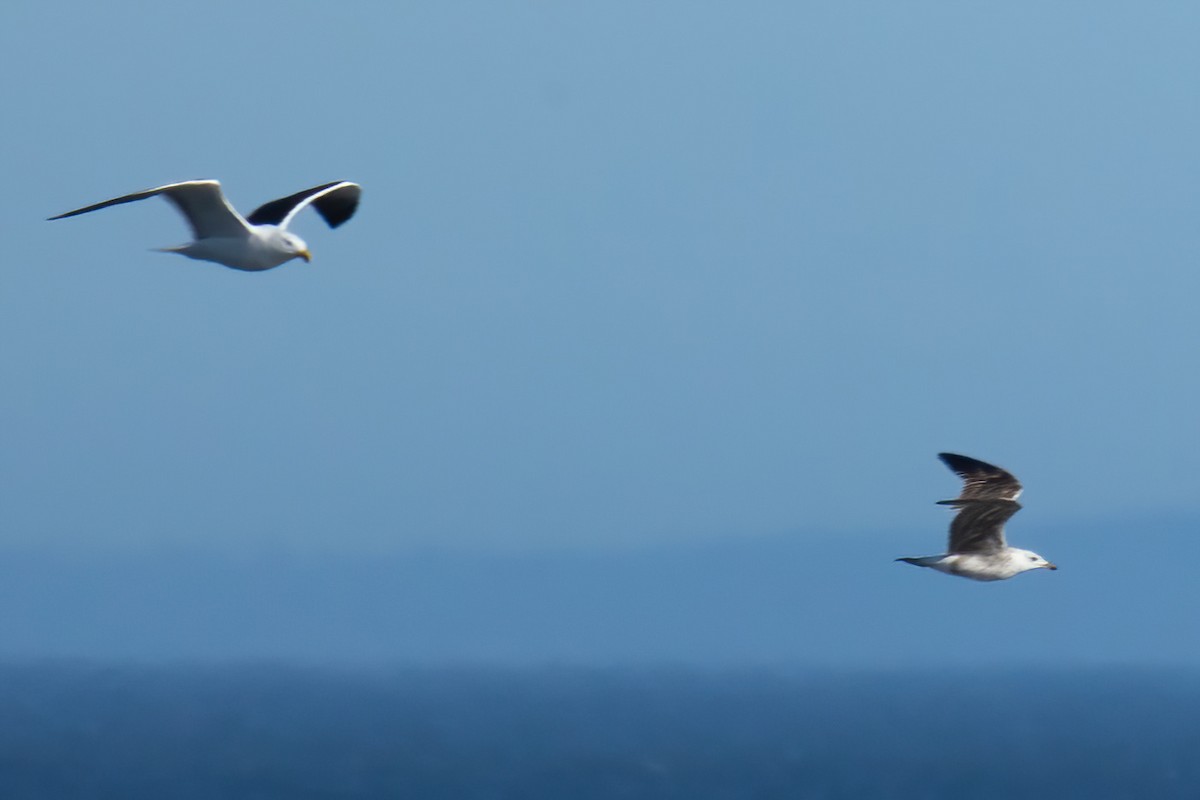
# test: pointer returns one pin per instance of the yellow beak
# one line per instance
(307, 256)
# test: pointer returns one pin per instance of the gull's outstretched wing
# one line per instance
(979, 525)
(335, 202)
(202, 203)
(981, 480)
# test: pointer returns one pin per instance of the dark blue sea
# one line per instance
(79, 730)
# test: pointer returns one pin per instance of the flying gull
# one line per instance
(977, 547)
(254, 243)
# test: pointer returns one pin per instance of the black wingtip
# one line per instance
(339, 205)
(960, 463)
(335, 207)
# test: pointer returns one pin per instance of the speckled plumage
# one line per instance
(977, 548)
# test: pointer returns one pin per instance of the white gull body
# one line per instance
(977, 549)
(255, 243)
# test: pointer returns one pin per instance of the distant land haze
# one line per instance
(795, 598)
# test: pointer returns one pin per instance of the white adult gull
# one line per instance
(254, 243)
(977, 548)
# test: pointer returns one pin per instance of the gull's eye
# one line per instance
(1033, 558)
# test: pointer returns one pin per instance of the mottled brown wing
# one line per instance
(978, 527)
(981, 480)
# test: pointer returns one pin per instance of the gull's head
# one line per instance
(294, 246)
(1027, 560)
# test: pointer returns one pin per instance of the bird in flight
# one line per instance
(977, 548)
(253, 243)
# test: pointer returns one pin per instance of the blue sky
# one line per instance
(622, 275)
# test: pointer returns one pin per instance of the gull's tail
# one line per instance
(922, 561)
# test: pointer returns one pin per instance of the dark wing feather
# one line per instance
(129, 198)
(336, 202)
(981, 480)
(979, 525)
(202, 204)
